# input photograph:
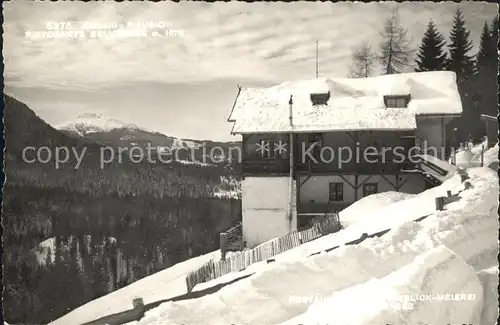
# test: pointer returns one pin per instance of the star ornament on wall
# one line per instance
(262, 147)
(280, 147)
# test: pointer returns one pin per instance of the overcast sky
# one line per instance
(185, 85)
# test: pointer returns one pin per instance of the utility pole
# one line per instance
(317, 59)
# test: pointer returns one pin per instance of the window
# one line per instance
(320, 99)
(370, 188)
(396, 101)
(336, 192)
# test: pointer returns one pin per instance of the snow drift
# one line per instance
(437, 287)
(357, 210)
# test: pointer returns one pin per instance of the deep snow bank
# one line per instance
(418, 293)
(285, 289)
(358, 209)
(489, 280)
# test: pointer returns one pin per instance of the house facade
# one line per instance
(316, 146)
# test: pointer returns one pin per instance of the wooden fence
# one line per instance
(441, 201)
(320, 226)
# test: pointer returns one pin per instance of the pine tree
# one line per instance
(395, 47)
(431, 56)
(494, 42)
(460, 45)
(484, 55)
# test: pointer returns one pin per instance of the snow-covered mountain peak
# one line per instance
(94, 122)
(89, 115)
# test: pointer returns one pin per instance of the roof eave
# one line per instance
(320, 130)
(234, 105)
(439, 114)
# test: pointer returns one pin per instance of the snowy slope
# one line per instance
(185, 144)
(372, 202)
(456, 247)
(162, 285)
(468, 228)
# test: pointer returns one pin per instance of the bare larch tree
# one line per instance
(395, 48)
(363, 61)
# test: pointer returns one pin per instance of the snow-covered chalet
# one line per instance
(305, 144)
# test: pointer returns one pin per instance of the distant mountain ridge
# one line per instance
(94, 122)
(112, 131)
(23, 128)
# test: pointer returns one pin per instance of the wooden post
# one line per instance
(138, 304)
(356, 186)
(482, 155)
(188, 283)
(439, 203)
(223, 240)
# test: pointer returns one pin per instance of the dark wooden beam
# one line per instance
(403, 183)
(297, 199)
(388, 181)
(265, 174)
(356, 186)
(347, 181)
(366, 180)
(350, 135)
(305, 180)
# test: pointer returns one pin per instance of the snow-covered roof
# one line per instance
(354, 104)
(437, 168)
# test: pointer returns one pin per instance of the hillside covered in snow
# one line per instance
(440, 270)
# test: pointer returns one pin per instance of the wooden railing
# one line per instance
(231, 240)
(320, 226)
